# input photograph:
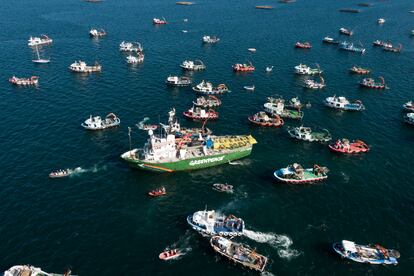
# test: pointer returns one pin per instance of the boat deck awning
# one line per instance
(349, 246)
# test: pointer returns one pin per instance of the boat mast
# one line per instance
(130, 144)
(37, 52)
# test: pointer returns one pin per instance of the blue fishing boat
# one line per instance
(344, 104)
(370, 254)
(209, 223)
(349, 46)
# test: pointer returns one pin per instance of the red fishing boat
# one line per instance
(238, 67)
(158, 21)
(371, 83)
(201, 114)
(170, 254)
(262, 119)
(34, 80)
(158, 192)
(303, 45)
(346, 146)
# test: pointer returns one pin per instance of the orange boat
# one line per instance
(262, 119)
(238, 67)
(169, 254)
(158, 192)
(345, 146)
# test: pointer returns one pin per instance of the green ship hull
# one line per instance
(189, 164)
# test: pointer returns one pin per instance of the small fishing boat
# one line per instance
(96, 122)
(381, 21)
(269, 69)
(370, 254)
(60, 173)
(343, 103)
(345, 31)
(82, 67)
(371, 83)
(349, 46)
(303, 69)
(238, 67)
(220, 187)
(380, 43)
(296, 174)
(392, 49)
(207, 88)
(294, 103)
(96, 33)
(158, 192)
(28, 270)
(252, 50)
(249, 87)
(409, 118)
(303, 45)
(158, 21)
(312, 84)
(346, 146)
(190, 65)
(178, 81)
(184, 3)
(207, 102)
(210, 39)
(130, 47)
(266, 7)
(262, 119)
(196, 113)
(307, 134)
(409, 106)
(239, 253)
(170, 254)
(359, 70)
(276, 106)
(40, 60)
(330, 40)
(139, 58)
(42, 40)
(214, 223)
(33, 80)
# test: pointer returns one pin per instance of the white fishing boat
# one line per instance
(303, 69)
(307, 134)
(249, 87)
(196, 65)
(344, 104)
(214, 223)
(409, 118)
(40, 60)
(269, 69)
(210, 39)
(96, 122)
(409, 106)
(205, 87)
(95, 33)
(381, 21)
(42, 40)
(130, 47)
(82, 67)
(252, 50)
(139, 58)
(28, 270)
(178, 81)
(313, 84)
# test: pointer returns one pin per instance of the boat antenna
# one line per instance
(129, 135)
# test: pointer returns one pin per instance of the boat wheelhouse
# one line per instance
(296, 174)
(214, 223)
(343, 103)
(97, 123)
(178, 81)
(345, 31)
(309, 135)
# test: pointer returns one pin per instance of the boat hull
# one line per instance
(188, 164)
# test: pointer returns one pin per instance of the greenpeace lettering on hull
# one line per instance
(206, 161)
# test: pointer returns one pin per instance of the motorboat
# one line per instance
(276, 106)
(170, 254)
(380, 43)
(359, 70)
(381, 21)
(269, 69)
(313, 84)
(371, 83)
(409, 106)
(309, 135)
(209, 101)
(303, 69)
(330, 40)
(262, 119)
(159, 21)
(207, 88)
(97, 123)
(33, 80)
(190, 65)
(345, 31)
(388, 48)
(158, 192)
(252, 50)
(347, 146)
(349, 46)
(82, 67)
(239, 67)
(215, 223)
(130, 47)
(249, 87)
(37, 41)
(303, 45)
(239, 253)
(296, 174)
(178, 81)
(409, 118)
(210, 39)
(60, 173)
(29, 270)
(369, 254)
(200, 114)
(139, 58)
(96, 33)
(220, 187)
(343, 103)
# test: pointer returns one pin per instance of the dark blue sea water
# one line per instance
(100, 221)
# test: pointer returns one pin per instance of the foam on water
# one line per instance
(94, 169)
(140, 125)
(281, 243)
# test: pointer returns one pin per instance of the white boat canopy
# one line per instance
(349, 246)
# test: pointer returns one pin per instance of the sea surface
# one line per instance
(100, 220)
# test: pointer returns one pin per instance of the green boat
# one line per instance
(276, 106)
(191, 152)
